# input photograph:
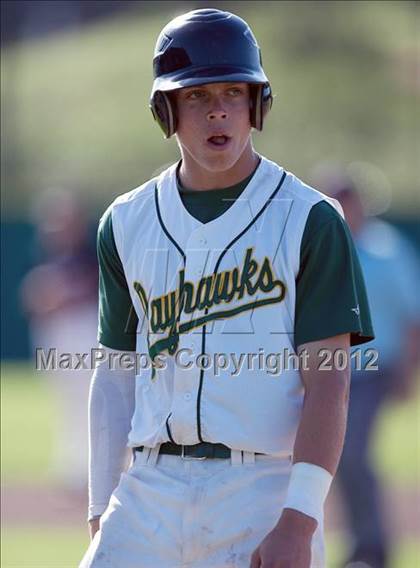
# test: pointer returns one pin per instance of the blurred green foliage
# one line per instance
(75, 105)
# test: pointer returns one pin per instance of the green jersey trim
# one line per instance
(331, 295)
(117, 317)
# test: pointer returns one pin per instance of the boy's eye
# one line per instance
(235, 91)
(199, 94)
(194, 94)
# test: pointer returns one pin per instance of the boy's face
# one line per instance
(213, 124)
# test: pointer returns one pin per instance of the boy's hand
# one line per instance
(288, 545)
(94, 527)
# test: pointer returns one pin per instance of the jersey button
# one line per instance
(202, 241)
(187, 396)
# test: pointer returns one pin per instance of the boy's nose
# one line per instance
(213, 114)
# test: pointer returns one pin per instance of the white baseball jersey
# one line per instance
(224, 287)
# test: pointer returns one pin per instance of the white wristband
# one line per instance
(308, 488)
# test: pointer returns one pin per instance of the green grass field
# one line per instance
(31, 547)
(27, 414)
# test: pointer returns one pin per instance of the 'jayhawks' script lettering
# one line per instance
(218, 289)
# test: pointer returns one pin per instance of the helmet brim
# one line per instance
(192, 76)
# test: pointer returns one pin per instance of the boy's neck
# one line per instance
(192, 176)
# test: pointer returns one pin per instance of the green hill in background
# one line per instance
(75, 105)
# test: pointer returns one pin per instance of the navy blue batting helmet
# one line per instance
(207, 46)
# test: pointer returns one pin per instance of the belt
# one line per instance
(196, 452)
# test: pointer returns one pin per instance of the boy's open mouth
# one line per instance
(220, 141)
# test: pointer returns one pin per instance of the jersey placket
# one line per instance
(184, 423)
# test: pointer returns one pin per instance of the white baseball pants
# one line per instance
(169, 512)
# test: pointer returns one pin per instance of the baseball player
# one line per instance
(209, 272)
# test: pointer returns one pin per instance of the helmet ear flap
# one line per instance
(261, 103)
(163, 112)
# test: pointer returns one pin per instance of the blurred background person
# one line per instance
(60, 297)
(392, 275)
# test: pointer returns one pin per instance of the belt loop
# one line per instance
(143, 456)
(236, 457)
(249, 457)
(153, 456)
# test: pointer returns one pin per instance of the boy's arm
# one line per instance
(331, 311)
(111, 406)
(111, 400)
(319, 442)
(321, 431)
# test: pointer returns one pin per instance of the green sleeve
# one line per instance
(117, 317)
(331, 296)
